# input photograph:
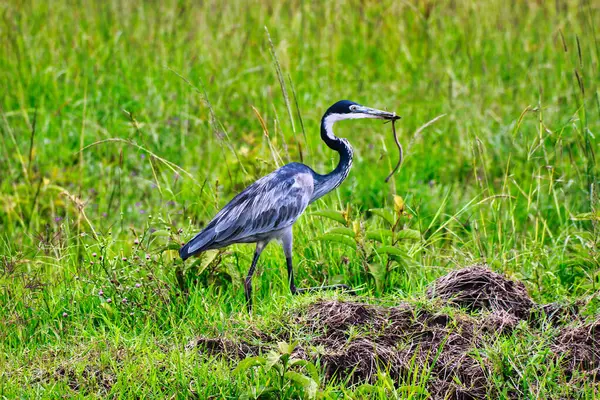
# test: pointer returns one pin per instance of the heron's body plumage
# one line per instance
(266, 207)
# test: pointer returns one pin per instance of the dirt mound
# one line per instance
(356, 339)
(579, 349)
(479, 288)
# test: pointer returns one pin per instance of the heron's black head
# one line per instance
(346, 109)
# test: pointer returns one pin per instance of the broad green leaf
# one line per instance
(310, 368)
(378, 273)
(330, 237)
(331, 214)
(208, 257)
(273, 358)
(384, 214)
(307, 384)
(379, 234)
(286, 348)
(248, 363)
(392, 251)
(204, 261)
(342, 231)
(408, 234)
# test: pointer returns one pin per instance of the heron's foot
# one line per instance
(345, 288)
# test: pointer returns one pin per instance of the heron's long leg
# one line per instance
(248, 282)
(287, 240)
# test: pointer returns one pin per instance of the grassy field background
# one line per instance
(125, 126)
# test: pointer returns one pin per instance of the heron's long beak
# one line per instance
(374, 113)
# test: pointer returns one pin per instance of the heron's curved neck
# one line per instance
(326, 183)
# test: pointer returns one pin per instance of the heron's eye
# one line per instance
(353, 108)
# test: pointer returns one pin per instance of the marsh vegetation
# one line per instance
(125, 126)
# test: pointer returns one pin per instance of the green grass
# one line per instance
(160, 95)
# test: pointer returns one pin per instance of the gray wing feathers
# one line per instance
(270, 204)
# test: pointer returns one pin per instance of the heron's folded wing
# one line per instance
(270, 204)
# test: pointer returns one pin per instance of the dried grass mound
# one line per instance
(479, 288)
(498, 322)
(338, 316)
(355, 340)
(579, 348)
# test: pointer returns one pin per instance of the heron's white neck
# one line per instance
(326, 183)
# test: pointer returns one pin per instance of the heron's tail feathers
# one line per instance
(197, 245)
